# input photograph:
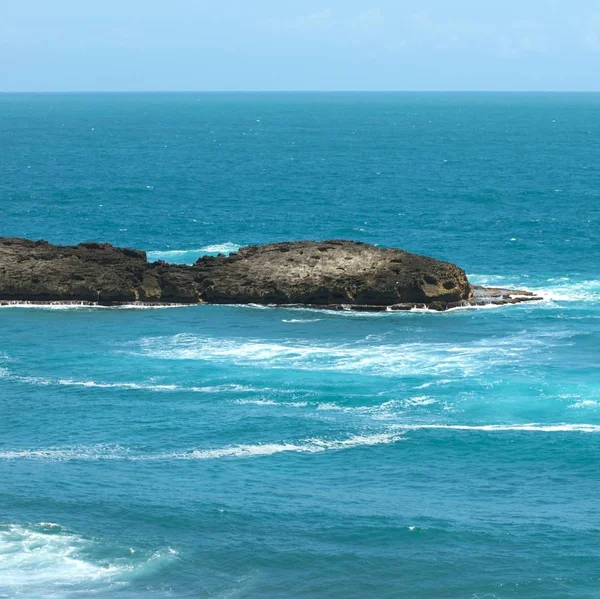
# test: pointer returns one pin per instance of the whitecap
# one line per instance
(420, 400)
(221, 248)
(585, 403)
(301, 320)
(572, 291)
(48, 560)
(191, 255)
(435, 383)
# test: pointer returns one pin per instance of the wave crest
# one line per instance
(46, 559)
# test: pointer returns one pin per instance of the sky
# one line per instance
(286, 45)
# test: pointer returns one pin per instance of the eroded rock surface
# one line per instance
(90, 272)
(327, 273)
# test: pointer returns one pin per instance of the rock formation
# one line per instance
(333, 274)
(38, 271)
(329, 273)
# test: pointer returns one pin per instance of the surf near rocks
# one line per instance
(335, 274)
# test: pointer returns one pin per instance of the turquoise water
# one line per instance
(230, 451)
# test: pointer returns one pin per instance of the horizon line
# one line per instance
(306, 91)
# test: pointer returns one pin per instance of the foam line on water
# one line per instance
(75, 305)
(117, 452)
(90, 384)
(384, 313)
(380, 359)
(534, 427)
(313, 445)
(300, 320)
(386, 409)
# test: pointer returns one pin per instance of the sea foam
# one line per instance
(557, 289)
(365, 358)
(190, 256)
(77, 305)
(529, 427)
(48, 560)
(117, 452)
(141, 386)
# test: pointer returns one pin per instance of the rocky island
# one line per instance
(335, 274)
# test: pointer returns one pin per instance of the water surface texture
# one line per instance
(230, 451)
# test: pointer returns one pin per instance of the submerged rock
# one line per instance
(333, 274)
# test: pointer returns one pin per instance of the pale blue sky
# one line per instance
(71, 45)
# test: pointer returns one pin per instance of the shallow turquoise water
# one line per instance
(233, 451)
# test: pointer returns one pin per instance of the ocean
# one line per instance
(253, 452)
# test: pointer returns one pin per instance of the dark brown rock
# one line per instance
(333, 274)
(329, 273)
(88, 272)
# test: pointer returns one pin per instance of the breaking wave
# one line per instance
(190, 256)
(558, 289)
(585, 403)
(47, 560)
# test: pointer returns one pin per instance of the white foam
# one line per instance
(572, 291)
(75, 305)
(420, 400)
(585, 403)
(378, 359)
(308, 446)
(193, 254)
(67, 454)
(47, 560)
(227, 388)
(271, 402)
(504, 281)
(34, 560)
(117, 452)
(387, 408)
(555, 289)
(46, 382)
(394, 434)
(435, 383)
(224, 248)
(301, 320)
(530, 427)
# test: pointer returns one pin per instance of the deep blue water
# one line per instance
(223, 451)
